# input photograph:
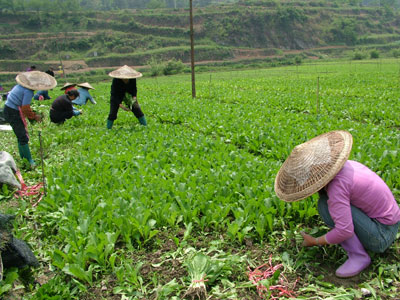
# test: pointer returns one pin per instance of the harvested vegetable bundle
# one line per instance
(198, 267)
(128, 101)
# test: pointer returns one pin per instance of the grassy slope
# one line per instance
(196, 159)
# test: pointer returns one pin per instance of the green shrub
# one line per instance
(173, 67)
(396, 53)
(358, 55)
(156, 67)
(298, 60)
(374, 54)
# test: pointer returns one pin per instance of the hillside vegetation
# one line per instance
(244, 30)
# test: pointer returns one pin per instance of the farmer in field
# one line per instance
(50, 71)
(42, 95)
(84, 94)
(123, 89)
(68, 86)
(354, 201)
(17, 106)
(62, 108)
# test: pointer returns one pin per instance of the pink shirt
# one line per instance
(357, 185)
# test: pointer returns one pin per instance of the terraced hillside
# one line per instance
(243, 30)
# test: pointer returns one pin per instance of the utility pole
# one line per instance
(192, 51)
(62, 65)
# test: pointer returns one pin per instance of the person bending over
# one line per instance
(18, 106)
(62, 108)
(84, 94)
(123, 89)
(42, 95)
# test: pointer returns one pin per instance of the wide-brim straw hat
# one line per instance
(36, 80)
(67, 85)
(85, 85)
(125, 72)
(312, 165)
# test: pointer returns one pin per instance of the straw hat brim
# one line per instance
(85, 85)
(67, 85)
(36, 80)
(312, 165)
(125, 72)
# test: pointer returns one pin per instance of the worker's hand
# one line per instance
(38, 118)
(124, 108)
(309, 241)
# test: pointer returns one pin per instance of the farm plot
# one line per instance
(126, 208)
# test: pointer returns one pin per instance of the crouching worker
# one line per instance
(354, 201)
(42, 95)
(123, 89)
(14, 253)
(62, 108)
(17, 106)
(84, 94)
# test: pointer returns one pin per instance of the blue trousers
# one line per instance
(374, 236)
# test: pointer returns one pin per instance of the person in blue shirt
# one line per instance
(84, 94)
(18, 106)
(44, 95)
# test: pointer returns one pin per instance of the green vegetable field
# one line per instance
(128, 210)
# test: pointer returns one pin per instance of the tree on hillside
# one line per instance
(344, 30)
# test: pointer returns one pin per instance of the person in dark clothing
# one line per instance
(62, 108)
(50, 71)
(123, 89)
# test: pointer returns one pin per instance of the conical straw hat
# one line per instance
(36, 80)
(67, 85)
(86, 85)
(312, 165)
(125, 72)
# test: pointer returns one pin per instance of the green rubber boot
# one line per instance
(142, 120)
(21, 154)
(26, 153)
(109, 124)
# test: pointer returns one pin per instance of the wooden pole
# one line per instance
(62, 65)
(192, 51)
(41, 158)
(209, 88)
(317, 96)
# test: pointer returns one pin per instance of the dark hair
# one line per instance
(33, 67)
(73, 93)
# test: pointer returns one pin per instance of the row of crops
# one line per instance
(208, 162)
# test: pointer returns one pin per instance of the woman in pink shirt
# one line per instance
(354, 201)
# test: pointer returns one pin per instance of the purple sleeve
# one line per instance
(339, 190)
(27, 97)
